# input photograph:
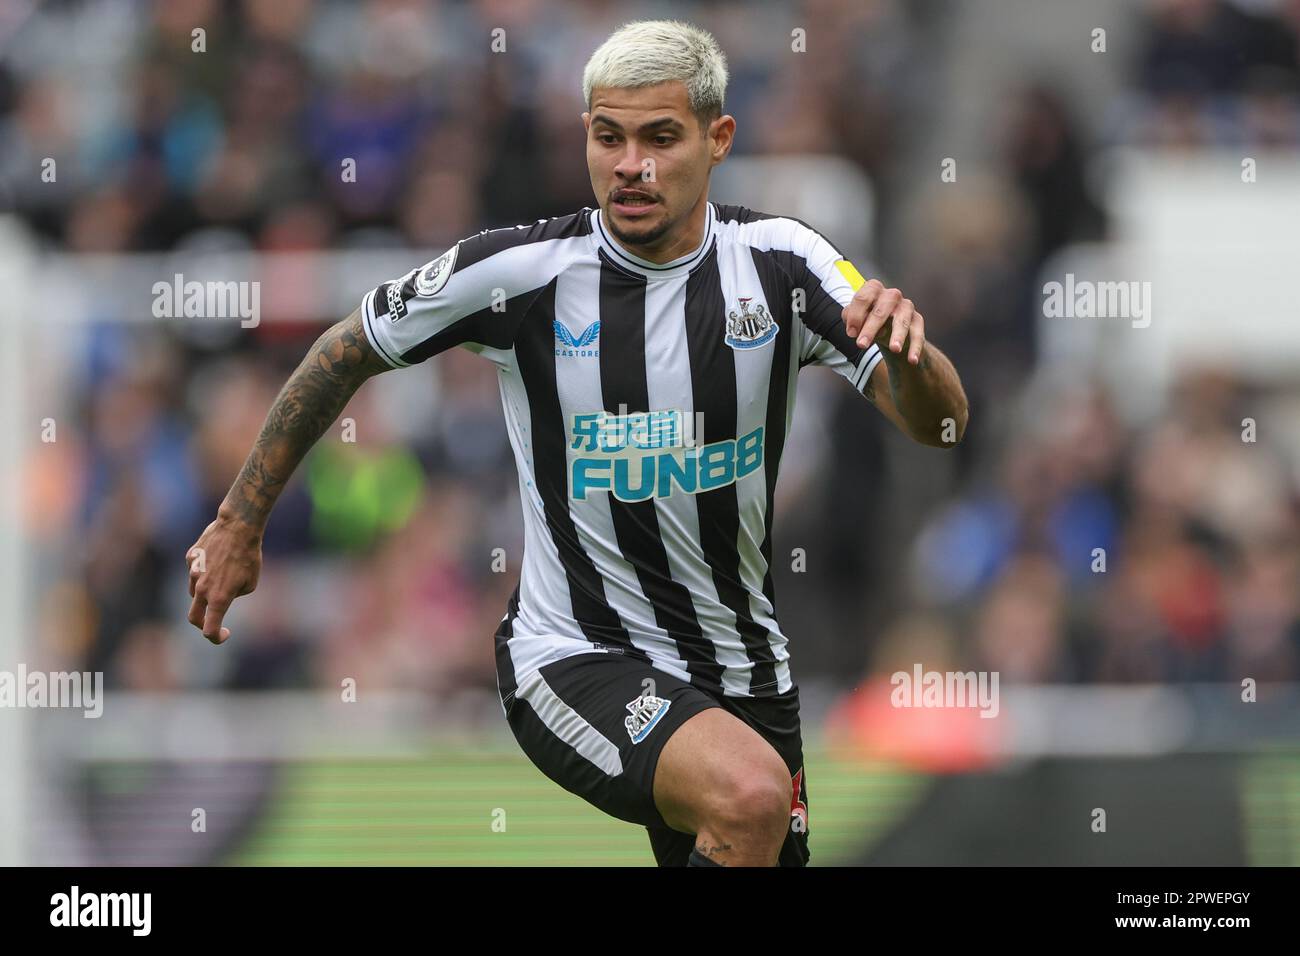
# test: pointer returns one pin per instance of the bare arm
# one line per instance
(226, 560)
(925, 400)
(915, 385)
(309, 403)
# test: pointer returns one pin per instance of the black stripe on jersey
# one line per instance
(623, 381)
(535, 353)
(370, 307)
(505, 667)
(740, 214)
(777, 291)
(824, 315)
(491, 241)
(713, 383)
(743, 214)
(495, 329)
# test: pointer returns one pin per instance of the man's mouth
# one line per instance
(631, 202)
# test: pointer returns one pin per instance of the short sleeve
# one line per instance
(829, 281)
(474, 294)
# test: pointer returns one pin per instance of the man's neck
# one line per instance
(668, 248)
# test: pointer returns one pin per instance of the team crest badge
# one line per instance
(748, 329)
(434, 276)
(643, 714)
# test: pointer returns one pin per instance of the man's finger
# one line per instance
(855, 313)
(917, 340)
(879, 315)
(194, 580)
(903, 316)
(212, 628)
(197, 609)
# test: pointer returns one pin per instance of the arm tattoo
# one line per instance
(893, 361)
(341, 359)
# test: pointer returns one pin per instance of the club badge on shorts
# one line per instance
(644, 713)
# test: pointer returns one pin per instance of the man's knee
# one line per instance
(718, 775)
(753, 795)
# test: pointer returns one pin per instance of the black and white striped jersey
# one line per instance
(647, 405)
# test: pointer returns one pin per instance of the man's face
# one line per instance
(649, 159)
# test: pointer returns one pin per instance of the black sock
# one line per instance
(699, 859)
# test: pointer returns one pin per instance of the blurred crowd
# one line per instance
(380, 559)
(1213, 73)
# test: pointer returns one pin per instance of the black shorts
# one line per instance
(595, 724)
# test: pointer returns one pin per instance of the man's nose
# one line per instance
(629, 164)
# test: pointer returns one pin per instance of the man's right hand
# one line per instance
(231, 552)
(231, 547)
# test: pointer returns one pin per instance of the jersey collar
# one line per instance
(644, 267)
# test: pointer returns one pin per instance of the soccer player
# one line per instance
(647, 352)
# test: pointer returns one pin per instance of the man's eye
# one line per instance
(663, 140)
(609, 139)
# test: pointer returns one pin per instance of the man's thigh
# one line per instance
(776, 721)
(595, 723)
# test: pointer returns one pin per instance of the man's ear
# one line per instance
(722, 133)
(586, 122)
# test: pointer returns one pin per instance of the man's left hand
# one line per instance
(880, 315)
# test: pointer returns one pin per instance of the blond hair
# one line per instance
(648, 52)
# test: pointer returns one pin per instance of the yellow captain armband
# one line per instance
(850, 273)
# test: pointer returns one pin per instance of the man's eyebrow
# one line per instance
(664, 122)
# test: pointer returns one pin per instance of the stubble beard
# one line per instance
(640, 238)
